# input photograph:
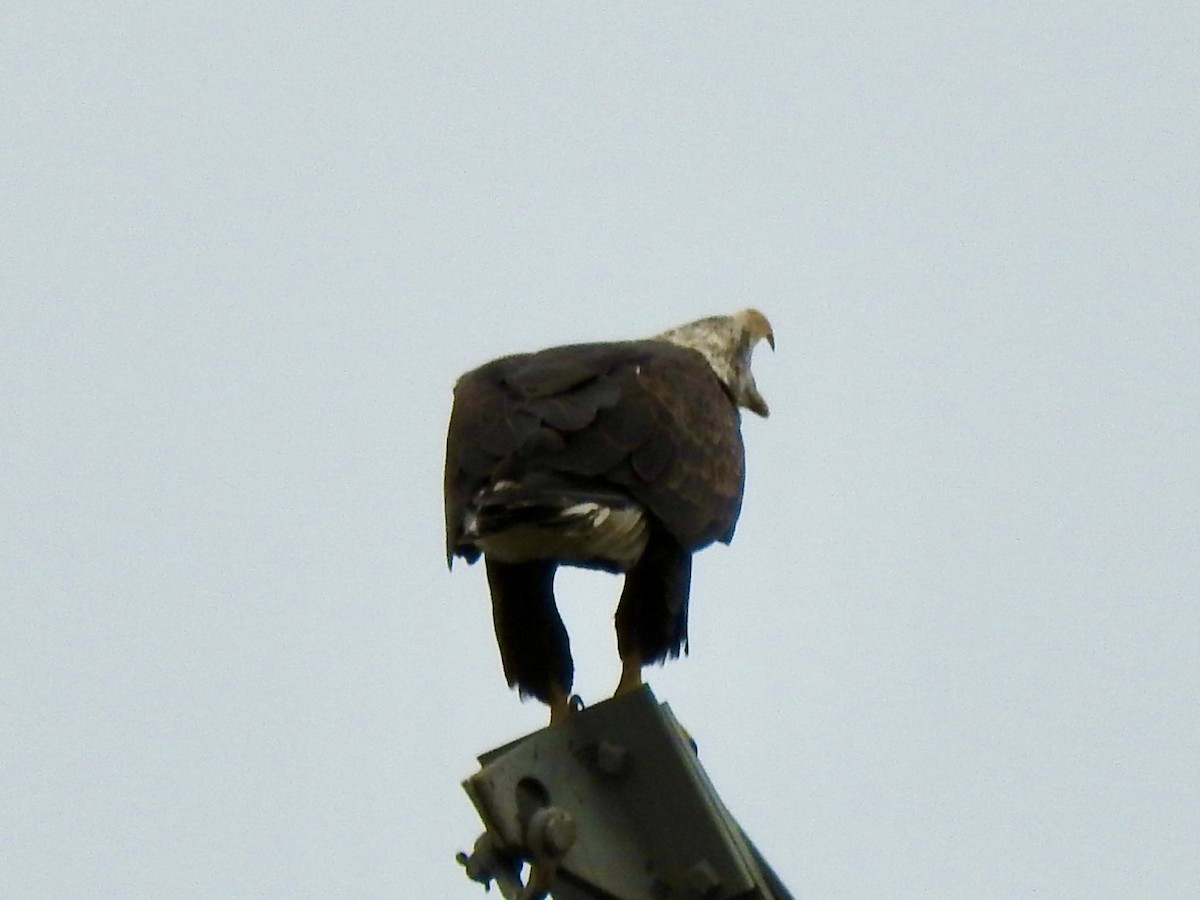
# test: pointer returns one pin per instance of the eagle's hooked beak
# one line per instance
(756, 325)
(756, 404)
(757, 328)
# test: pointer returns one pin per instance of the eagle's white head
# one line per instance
(727, 342)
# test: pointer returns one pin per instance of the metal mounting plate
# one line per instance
(648, 824)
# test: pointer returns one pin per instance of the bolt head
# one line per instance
(612, 759)
(701, 881)
(551, 832)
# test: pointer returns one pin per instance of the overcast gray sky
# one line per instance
(245, 249)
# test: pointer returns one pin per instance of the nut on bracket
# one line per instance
(550, 833)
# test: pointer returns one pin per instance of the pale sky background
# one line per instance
(245, 249)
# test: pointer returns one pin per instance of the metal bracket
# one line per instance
(611, 805)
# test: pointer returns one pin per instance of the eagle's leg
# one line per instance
(651, 617)
(560, 705)
(631, 674)
(534, 646)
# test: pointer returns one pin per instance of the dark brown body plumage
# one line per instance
(642, 423)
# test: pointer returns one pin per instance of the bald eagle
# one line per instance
(625, 457)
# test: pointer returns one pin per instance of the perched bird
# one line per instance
(625, 457)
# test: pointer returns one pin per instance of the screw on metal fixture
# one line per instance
(612, 759)
(551, 833)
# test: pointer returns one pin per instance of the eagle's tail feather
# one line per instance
(508, 504)
(515, 521)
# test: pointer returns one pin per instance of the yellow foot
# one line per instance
(561, 708)
(631, 678)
